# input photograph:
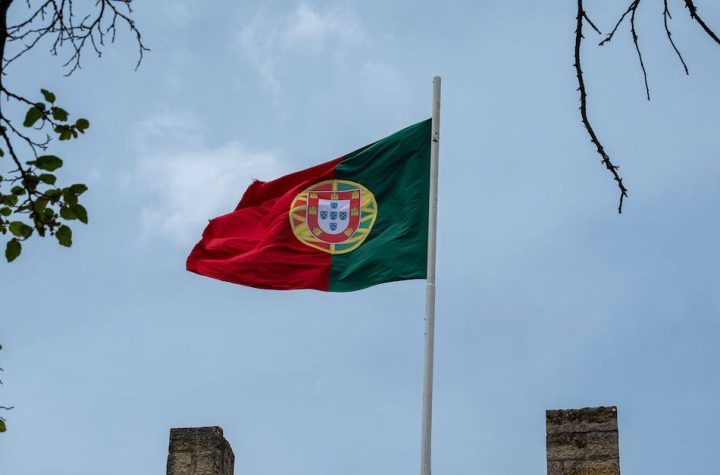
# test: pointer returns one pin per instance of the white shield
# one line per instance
(333, 215)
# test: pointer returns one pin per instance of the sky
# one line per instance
(546, 297)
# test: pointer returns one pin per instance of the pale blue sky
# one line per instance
(546, 297)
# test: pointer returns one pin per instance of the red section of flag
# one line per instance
(255, 245)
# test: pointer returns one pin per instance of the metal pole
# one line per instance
(430, 292)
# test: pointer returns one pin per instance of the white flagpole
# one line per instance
(430, 292)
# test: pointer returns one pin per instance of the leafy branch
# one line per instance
(31, 200)
(630, 11)
(34, 202)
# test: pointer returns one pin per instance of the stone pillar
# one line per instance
(199, 451)
(582, 441)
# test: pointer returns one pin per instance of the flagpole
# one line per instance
(425, 449)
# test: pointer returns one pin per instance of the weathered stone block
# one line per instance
(199, 451)
(588, 419)
(582, 446)
(582, 442)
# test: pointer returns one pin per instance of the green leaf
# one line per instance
(47, 178)
(70, 197)
(48, 215)
(17, 190)
(40, 226)
(12, 250)
(2, 154)
(39, 205)
(78, 189)
(5, 211)
(64, 236)
(48, 162)
(81, 213)
(3, 427)
(49, 96)
(67, 212)
(59, 113)
(15, 228)
(82, 124)
(20, 229)
(64, 132)
(10, 200)
(33, 115)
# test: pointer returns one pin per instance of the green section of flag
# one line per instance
(396, 170)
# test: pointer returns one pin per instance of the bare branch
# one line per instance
(666, 16)
(637, 47)
(693, 14)
(57, 19)
(587, 18)
(630, 13)
(631, 10)
(583, 107)
(609, 37)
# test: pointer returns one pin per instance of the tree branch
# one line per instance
(631, 10)
(694, 15)
(32, 202)
(583, 106)
(57, 18)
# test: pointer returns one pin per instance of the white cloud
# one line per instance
(308, 27)
(187, 182)
(179, 12)
(167, 130)
(258, 41)
(270, 40)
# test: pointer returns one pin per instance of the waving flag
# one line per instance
(347, 224)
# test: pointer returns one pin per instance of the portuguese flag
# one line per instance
(347, 224)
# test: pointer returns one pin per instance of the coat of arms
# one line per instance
(334, 216)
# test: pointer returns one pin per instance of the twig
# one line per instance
(632, 10)
(591, 23)
(666, 16)
(637, 48)
(612, 33)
